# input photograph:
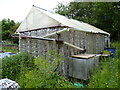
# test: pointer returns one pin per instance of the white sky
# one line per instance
(18, 9)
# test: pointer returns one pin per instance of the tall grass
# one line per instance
(117, 46)
(13, 49)
(107, 75)
(0, 68)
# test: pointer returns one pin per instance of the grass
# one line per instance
(13, 49)
(107, 75)
(0, 48)
(0, 68)
(8, 46)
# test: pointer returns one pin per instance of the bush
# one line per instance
(15, 65)
(45, 74)
(107, 75)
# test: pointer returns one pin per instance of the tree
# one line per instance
(104, 15)
(8, 28)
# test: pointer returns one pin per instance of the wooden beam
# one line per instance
(73, 46)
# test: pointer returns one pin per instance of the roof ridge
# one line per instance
(43, 9)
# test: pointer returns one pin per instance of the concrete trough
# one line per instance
(80, 68)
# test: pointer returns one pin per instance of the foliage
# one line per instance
(12, 66)
(102, 15)
(0, 31)
(107, 75)
(45, 74)
(117, 45)
(13, 49)
(8, 46)
(106, 52)
(0, 68)
(8, 28)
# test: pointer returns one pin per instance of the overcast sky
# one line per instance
(18, 9)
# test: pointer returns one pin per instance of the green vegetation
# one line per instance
(35, 73)
(13, 49)
(0, 47)
(45, 74)
(8, 28)
(106, 52)
(117, 46)
(8, 46)
(14, 65)
(0, 68)
(104, 15)
(107, 75)
(32, 72)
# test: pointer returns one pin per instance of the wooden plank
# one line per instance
(83, 56)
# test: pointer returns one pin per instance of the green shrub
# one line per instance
(107, 75)
(45, 74)
(15, 65)
(117, 46)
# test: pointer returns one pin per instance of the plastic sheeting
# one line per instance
(2, 55)
(36, 19)
(8, 84)
(87, 26)
(40, 18)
